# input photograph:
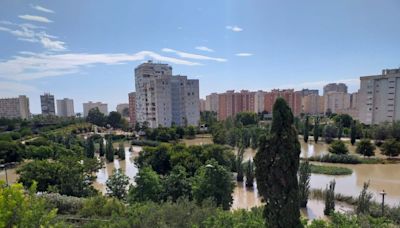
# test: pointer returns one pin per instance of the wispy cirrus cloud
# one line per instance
(187, 55)
(43, 9)
(30, 66)
(10, 89)
(204, 48)
(234, 28)
(35, 34)
(35, 18)
(244, 54)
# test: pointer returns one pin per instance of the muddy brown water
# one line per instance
(380, 176)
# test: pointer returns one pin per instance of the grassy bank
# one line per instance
(330, 170)
(348, 159)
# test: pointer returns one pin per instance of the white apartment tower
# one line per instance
(379, 97)
(65, 107)
(163, 99)
(15, 107)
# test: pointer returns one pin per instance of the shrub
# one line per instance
(334, 158)
(338, 147)
(64, 204)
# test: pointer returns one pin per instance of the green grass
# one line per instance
(330, 170)
(348, 159)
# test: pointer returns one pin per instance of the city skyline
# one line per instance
(257, 45)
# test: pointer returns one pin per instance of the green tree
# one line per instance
(340, 129)
(247, 118)
(101, 147)
(316, 129)
(114, 119)
(117, 184)
(213, 181)
(330, 132)
(190, 132)
(306, 129)
(10, 152)
(121, 151)
(338, 147)
(277, 163)
(249, 174)
(239, 165)
(219, 134)
(21, 209)
(391, 148)
(353, 133)
(177, 185)
(96, 117)
(148, 186)
(364, 200)
(304, 183)
(109, 150)
(366, 148)
(330, 198)
(89, 148)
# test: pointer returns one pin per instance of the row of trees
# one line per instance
(114, 119)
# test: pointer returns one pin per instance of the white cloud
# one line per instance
(204, 48)
(43, 9)
(29, 66)
(35, 18)
(28, 32)
(193, 56)
(243, 54)
(234, 28)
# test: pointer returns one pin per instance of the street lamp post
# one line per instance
(383, 193)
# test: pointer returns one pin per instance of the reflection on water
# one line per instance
(126, 165)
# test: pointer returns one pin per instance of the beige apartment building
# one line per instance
(132, 108)
(17, 107)
(65, 107)
(212, 102)
(379, 97)
(103, 108)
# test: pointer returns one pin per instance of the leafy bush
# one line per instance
(338, 147)
(64, 204)
(330, 170)
(334, 158)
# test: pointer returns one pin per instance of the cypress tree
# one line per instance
(340, 129)
(353, 133)
(316, 130)
(101, 148)
(306, 128)
(89, 148)
(249, 174)
(109, 151)
(121, 151)
(304, 183)
(277, 163)
(330, 198)
(239, 165)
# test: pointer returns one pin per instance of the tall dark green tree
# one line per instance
(101, 148)
(249, 174)
(365, 147)
(277, 163)
(121, 151)
(96, 117)
(304, 183)
(239, 165)
(109, 150)
(89, 148)
(306, 129)
(114, 119)
(353, 132)
(316, 130)
(330, 198)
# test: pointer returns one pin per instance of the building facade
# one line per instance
(335, 87)
(379, 97)
(47, 104)
(202, 105)
(293, 99)
(65, 107)
(212, 102)
(103, 108)
(163, 99)
(336, 102)
(132, 108)
(230, 103)
(312, 104)
(15, 107)
(121, 109)
(259, 101)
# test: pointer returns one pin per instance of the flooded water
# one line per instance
(380, 176)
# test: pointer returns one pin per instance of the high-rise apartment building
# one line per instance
(47, 104)
(15, 107)
(335, 87)
(103, 108)
(312, 104)
(212, 102)
(259, 101)
(336, 102)
(379, 97)
(65, 107)
(306, 92)
(132, 108)
(202, 105)
(122, 107)
(163, 99)
(231, 103)
(293, 99)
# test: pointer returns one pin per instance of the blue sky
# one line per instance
(87, 50)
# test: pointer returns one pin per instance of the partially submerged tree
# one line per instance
(330, 198)
(304, 183)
